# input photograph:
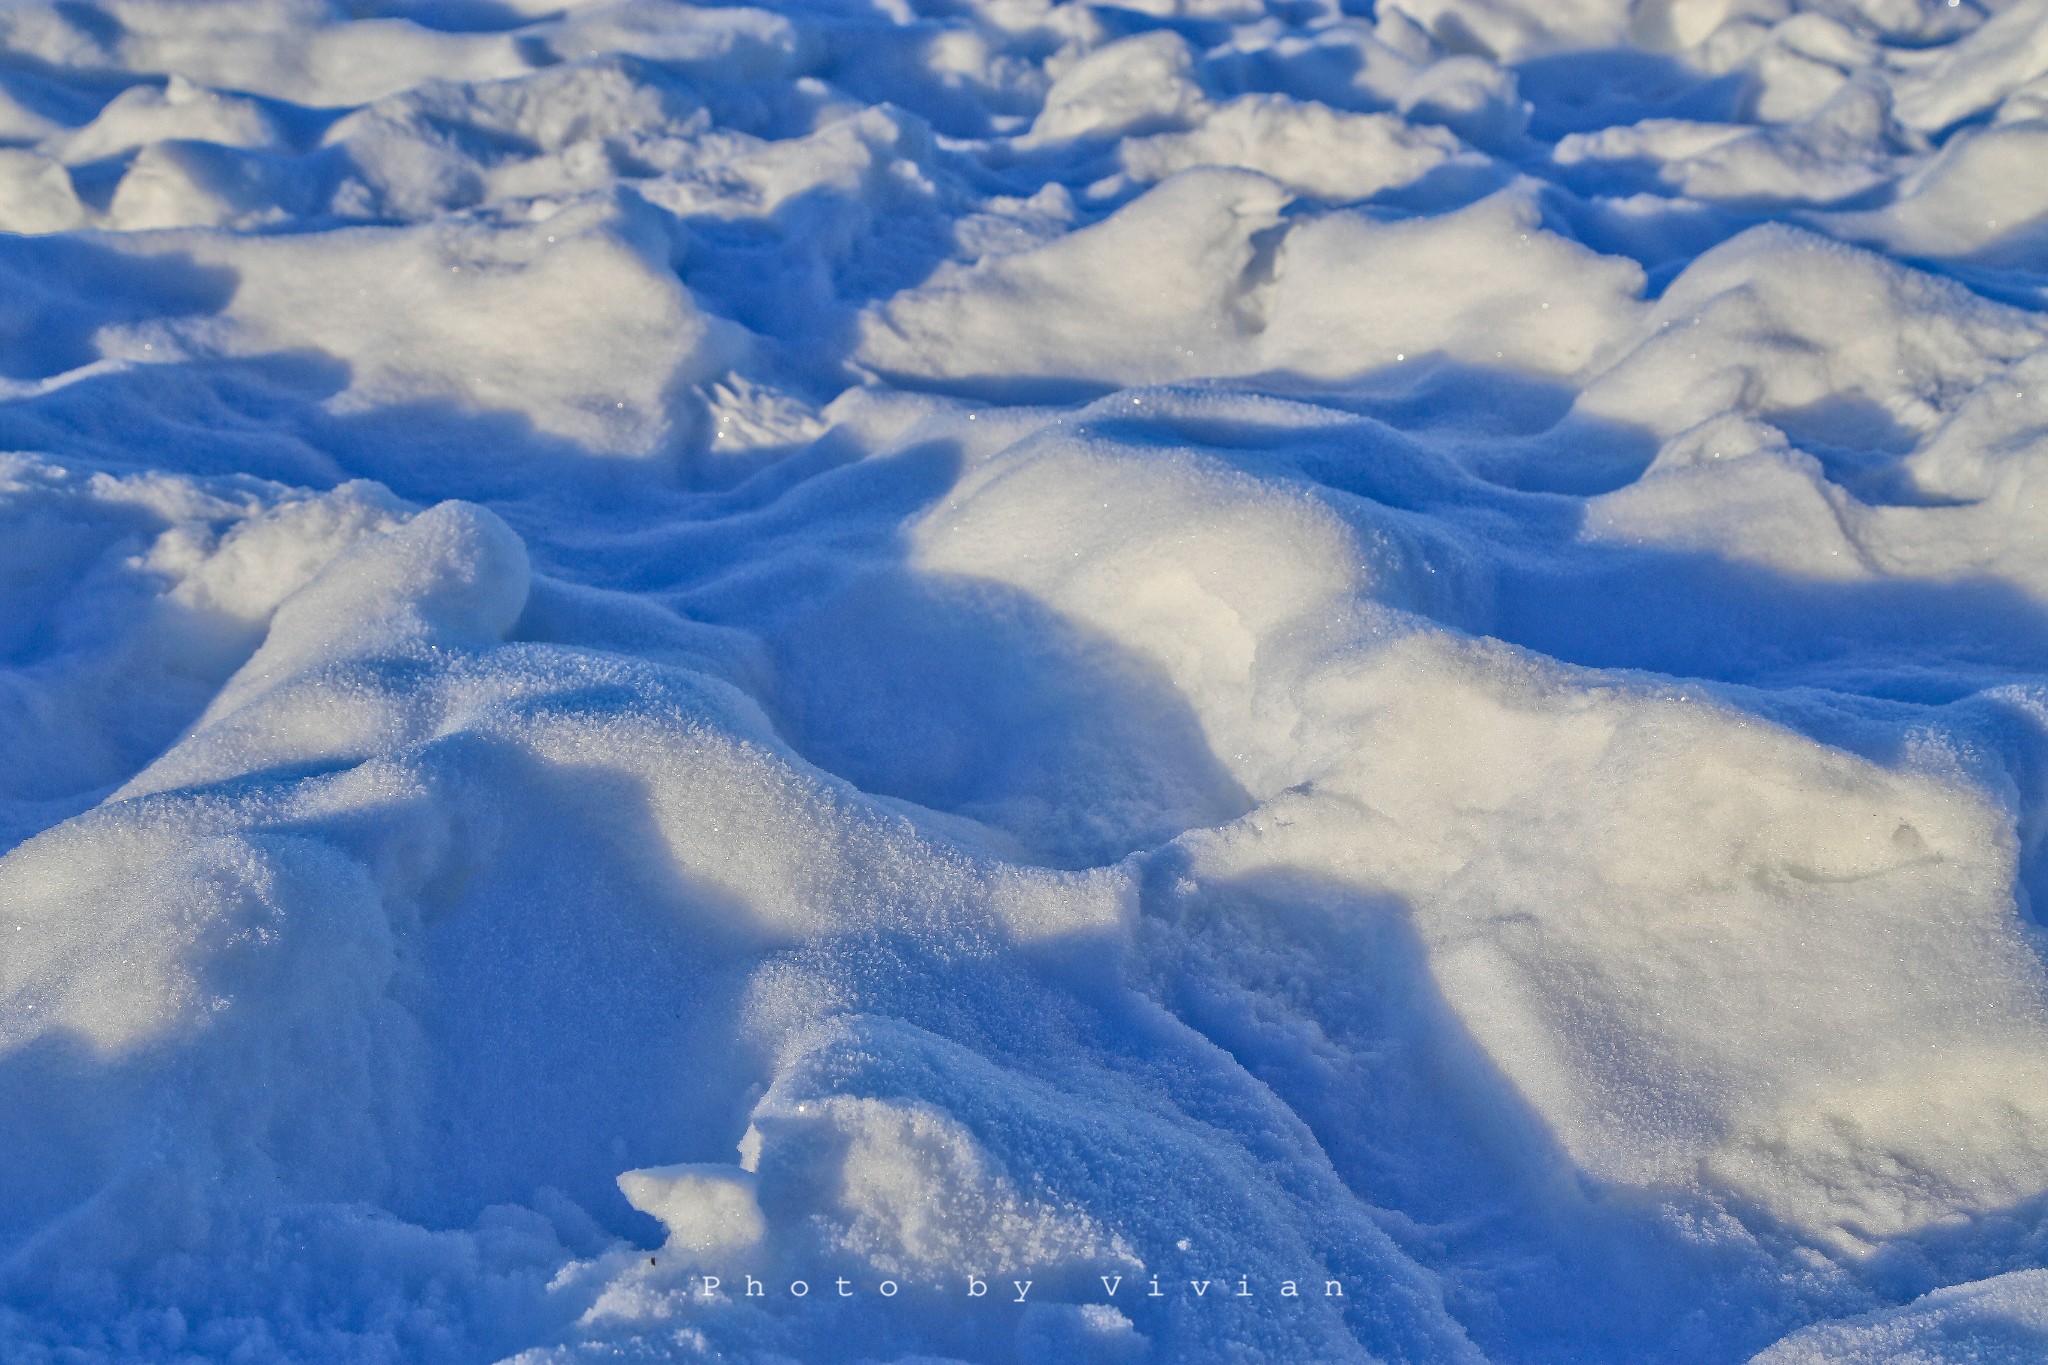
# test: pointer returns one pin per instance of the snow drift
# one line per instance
(1195, 681)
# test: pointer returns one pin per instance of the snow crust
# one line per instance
(1039, 645)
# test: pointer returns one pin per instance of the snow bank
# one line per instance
(1996, 1319)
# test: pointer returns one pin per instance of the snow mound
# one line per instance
(1015, 681)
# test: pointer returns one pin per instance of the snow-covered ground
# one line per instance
(905, 645)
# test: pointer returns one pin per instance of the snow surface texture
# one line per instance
(912, 639)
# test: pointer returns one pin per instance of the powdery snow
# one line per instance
(1199, 681)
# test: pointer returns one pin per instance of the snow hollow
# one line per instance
(1004, 681)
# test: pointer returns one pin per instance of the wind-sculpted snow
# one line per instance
(1049, 667)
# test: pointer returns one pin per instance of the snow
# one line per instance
(1196, 681)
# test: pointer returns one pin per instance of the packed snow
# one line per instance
(1209, 680)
